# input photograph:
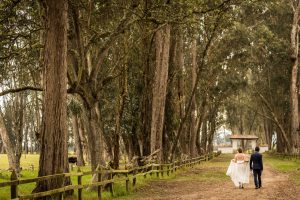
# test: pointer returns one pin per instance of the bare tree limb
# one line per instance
(20, 90)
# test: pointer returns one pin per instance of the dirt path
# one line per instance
(194, 184)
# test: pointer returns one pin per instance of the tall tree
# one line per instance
(53, 156)
(294, 77)
(159, 90)
(193, 129)
(7, 143)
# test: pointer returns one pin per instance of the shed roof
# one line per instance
(244, 137)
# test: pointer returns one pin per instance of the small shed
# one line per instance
(244, 141)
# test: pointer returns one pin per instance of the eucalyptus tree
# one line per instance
(211, 22)
(54, 152)
(75, 114)
(19, 47)
(95, 24)
(294, 76)
(261, 39)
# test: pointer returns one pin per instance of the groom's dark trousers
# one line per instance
(257, 177)
(256, 165)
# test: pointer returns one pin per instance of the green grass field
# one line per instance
(290, 167)
(26, 161)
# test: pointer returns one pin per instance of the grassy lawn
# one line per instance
(214, 170)
(290, 167)
(26, 161)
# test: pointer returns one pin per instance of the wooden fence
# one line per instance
(112, 176)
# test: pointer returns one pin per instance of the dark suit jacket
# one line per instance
(256, 161)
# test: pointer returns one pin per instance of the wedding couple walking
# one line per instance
(240, 166)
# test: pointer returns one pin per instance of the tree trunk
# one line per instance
(145, 106)
(280, 145)
(119, 114)
(181, 94)
(202, 117)
(204, 137)
(8, 145)
(241, 118)
(83, 139)
(53, 157)
(19, 129)
(294, 80)
(162, 41)
(26, 139)
(172, 114)
(134, 142)
(1, 146)
(95, 135)
(268, 129)
(193, 129)
(212, 130)
(77, 140)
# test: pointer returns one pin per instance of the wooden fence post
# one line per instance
(168, 170)
(157, 173)
(134, 178)
(127, 182)
(111, 184)
(162, 170)
(179, 164)
(79, 177)
(151, 169)
(175, 167)
(145, 171)
(13, 187)
(99, 173)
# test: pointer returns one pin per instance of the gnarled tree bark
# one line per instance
(53, 157)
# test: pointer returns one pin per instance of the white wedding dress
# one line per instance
(239, 172)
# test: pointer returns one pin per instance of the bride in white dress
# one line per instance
(239, 169)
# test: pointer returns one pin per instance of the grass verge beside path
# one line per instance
(290, 167)
(213, 171)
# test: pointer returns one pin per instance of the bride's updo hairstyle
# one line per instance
(240, 150)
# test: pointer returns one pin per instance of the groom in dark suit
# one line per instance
(256, 164)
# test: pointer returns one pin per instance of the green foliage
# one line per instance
(74, 107)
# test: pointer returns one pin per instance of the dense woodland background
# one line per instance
(118, 79)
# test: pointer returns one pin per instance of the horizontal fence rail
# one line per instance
(105, 178)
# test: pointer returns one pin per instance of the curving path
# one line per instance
(207, 181)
